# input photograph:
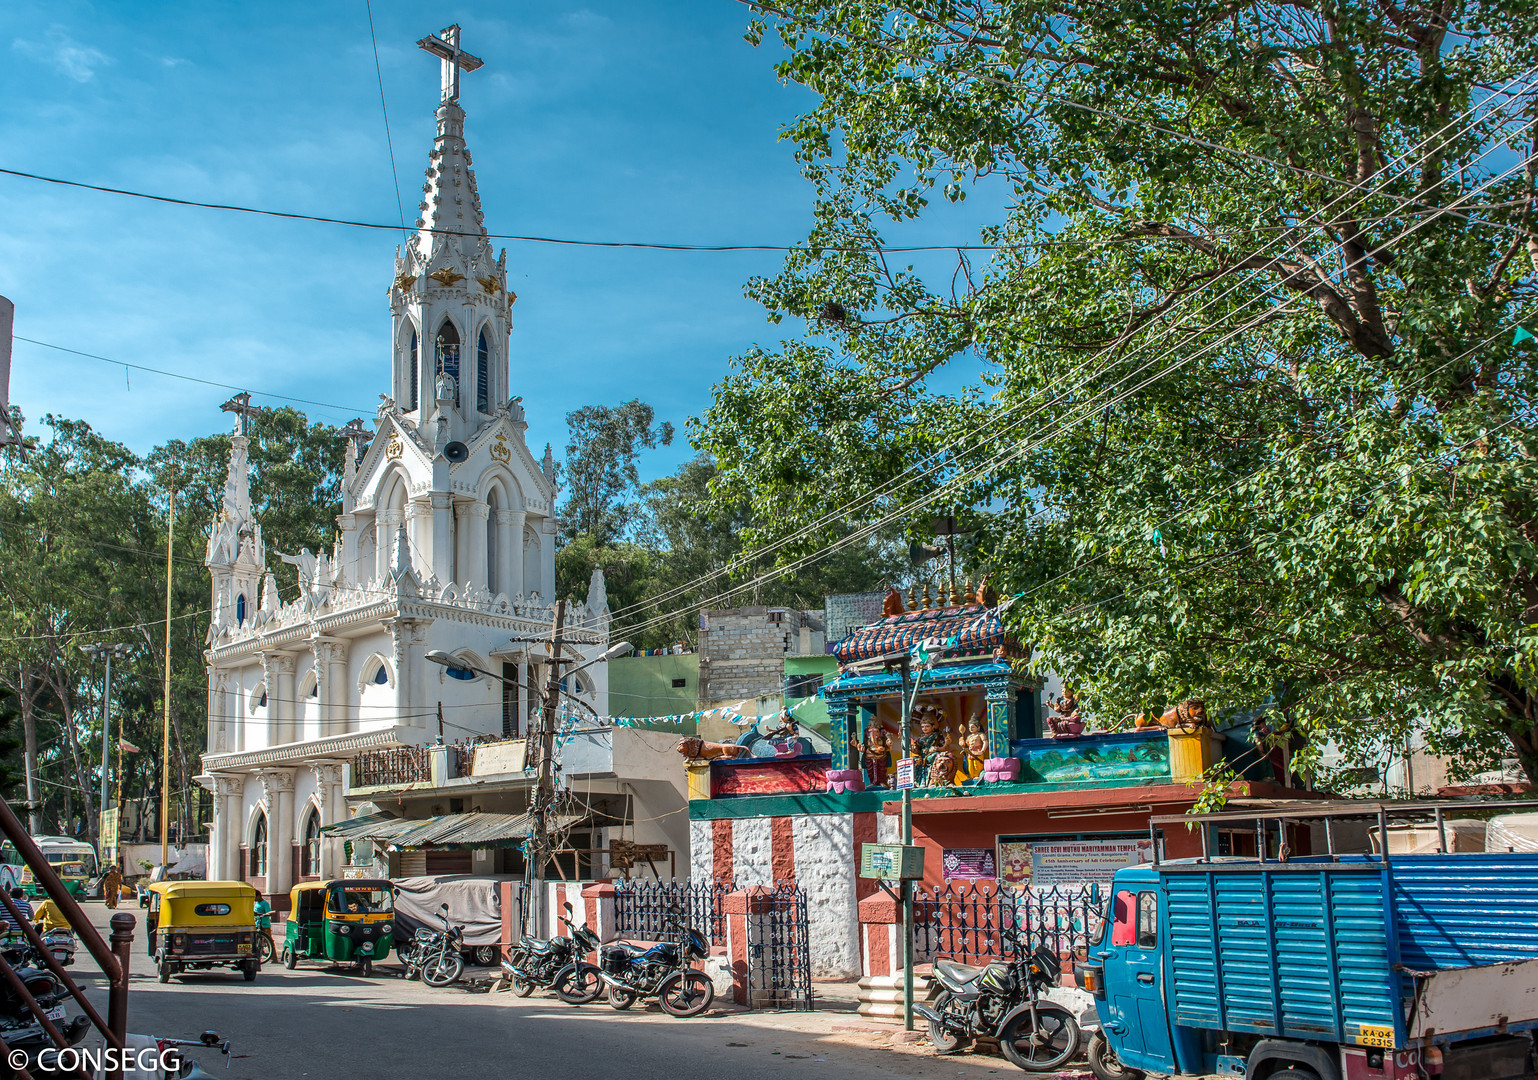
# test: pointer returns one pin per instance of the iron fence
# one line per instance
(965, 921)
(390, 765)
(643, 909)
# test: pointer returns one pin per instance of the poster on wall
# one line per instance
(1041, 864)
(968, 864)
(905, 770)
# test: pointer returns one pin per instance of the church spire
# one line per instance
(450, 296)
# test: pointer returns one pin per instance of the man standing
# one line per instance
(112, 885)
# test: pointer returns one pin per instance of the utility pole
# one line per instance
(906, 703)
(106, 652)
(165, 739)
(544, 784)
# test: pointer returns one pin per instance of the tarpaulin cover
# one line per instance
(474, 903)
(1512, 832)
(1458, 834)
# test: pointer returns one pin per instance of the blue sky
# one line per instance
(641, 120)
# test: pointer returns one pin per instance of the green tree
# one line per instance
(601, 474)
(1251, 423)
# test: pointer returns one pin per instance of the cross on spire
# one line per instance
(446, 48)
(241, 406)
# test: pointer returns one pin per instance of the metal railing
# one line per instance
(391, 765)
(112, 959)
(643, 908)
(963, 921)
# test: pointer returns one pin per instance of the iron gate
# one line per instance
(780, 951)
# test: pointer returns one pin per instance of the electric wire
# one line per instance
(870, 497)
(400, 203)
(968, 477)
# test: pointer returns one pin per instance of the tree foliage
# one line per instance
(83, 524)
(1251, 424)
(601, 474)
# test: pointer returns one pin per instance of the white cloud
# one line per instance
(63, 53)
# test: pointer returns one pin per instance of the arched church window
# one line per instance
(411, 391)
(493, 555)
(448, 354)
(259, 848)
(310, 860)
(262, 704)
(462, 674)
(381, 676)
(240, 610)
(483, 375)
(314, 689)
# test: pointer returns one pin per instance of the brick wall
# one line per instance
(743, 650)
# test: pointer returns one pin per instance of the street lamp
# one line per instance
(449, 660)
(105, 652)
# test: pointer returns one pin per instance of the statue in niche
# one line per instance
(875, 754)
(942, 769)
(1064, 721)
(976, 745)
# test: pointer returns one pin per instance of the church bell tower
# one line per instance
(449, 297)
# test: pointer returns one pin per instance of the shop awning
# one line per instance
(964, 630)
(447, 830)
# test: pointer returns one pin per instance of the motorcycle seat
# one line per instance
(534, 945)
(625, 947)
(957, 974)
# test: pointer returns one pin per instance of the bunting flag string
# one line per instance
(572, 724)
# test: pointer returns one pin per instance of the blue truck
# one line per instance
(1346, 964)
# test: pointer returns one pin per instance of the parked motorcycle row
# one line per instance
(624, 973)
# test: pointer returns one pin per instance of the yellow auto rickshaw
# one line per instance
(195, 925)
(347, 921)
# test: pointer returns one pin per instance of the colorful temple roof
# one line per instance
(966, 630)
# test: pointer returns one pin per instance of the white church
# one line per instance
(446, 541)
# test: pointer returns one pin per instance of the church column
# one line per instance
(510, 551)
(328, 784)
(280, 697)
(385, 524)
(442, 550)
(340, 689)
(347, 525)
(327, 678)
(472, 547)
(547, 558)
(409, 635)
(278, 785)
(234, 824)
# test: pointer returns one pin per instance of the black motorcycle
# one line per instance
(1002, 1001)
(21, 1029)
(556, 964)
(662, 971)
(433, 955)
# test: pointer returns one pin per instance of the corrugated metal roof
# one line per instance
(447, 830)
(355, 828)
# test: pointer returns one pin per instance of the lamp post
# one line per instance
(544, 783)
(105, 652)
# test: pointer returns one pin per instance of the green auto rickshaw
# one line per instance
(346, 921)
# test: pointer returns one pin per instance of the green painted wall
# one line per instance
(815, 714)
(643, 686)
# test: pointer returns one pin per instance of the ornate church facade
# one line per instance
(446, 541)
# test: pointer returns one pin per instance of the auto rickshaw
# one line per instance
(347, 921)
(196, 925)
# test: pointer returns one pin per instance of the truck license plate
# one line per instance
(1375, 1035)
(242, 948)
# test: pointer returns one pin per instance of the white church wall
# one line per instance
(373, 704)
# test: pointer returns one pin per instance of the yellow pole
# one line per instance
(165, 741)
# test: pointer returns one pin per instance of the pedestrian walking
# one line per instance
(112, 885)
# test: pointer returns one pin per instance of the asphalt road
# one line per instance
(328, 1022)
